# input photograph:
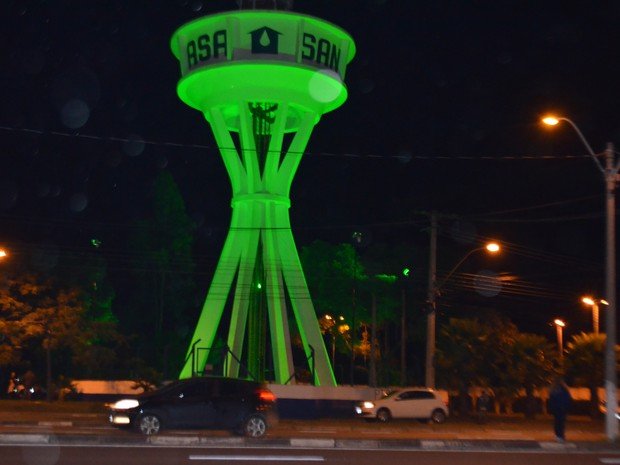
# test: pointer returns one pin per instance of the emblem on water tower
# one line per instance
(265, 40)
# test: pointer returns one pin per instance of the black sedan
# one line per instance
(246, 407)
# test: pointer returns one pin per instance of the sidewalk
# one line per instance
(73, 423)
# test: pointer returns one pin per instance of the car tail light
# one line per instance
(265, 395)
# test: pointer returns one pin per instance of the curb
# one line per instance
(308, 443)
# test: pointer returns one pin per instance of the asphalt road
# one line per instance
(58, 433)
(126, 455)
(516, 428)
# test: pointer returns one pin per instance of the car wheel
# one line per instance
(254, 426)
(149, 424)
(438, 416)
(383, 415)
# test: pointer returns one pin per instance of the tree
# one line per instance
(585, 363)
(532, 365)
(499, 368)
(59, 318)
(462, 351)
(340, 286)
(334, 274)
(493, 353)
(335, 277)
(15, 329)
(399, 274)
(88, 272)
(383, 289)
(162, 300)
(105, 347)
(105, 352)
(36, 312)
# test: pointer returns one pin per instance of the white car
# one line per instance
(418, 403)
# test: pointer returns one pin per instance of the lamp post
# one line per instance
(331, 327)
(559, 328)
(357, 238)
(433, 292)
(595, 310)
(610, 175)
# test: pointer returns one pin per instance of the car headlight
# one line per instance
(125, 404)
(368, 404)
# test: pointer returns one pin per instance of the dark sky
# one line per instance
(443, 110)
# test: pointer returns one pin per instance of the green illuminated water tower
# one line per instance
(262, 79)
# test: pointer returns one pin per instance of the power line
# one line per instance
(537, 207)
(555, 219)
(400, 157)
(512, 248)
(491, 284)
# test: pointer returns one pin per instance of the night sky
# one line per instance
(443, 110)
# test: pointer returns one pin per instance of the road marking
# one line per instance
(609, 460)
(557, 445)
(378, 433)
(313, 443)
(266, 458)
(322, 430)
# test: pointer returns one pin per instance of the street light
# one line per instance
(559, 327)
(594, 304)
(333, 326)
(610, 175)
(330, 323)
(433, 292)
(491, 247)
(3, 253)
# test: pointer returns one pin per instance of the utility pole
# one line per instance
(403, 338)
(431, 299)
(611, 381)
(357, 240)
(373, 350)
(610, 175)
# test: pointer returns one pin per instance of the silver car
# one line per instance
(418, 403)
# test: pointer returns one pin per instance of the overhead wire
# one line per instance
(510, 248)
(490, 283)
(534, 207)
(216, 148)
(527, 252)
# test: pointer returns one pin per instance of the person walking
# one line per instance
(559, 403)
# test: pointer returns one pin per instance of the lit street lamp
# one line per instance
(491, 247)
(333, 326)
(610, 175)
(559, 328)
(433, 292)
(594, 304)
(3, 253)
